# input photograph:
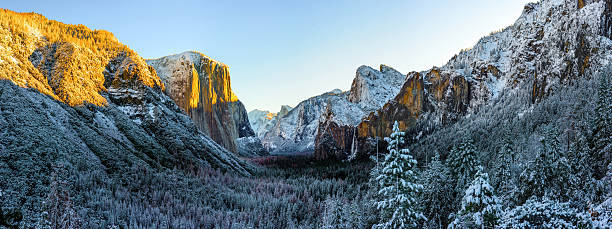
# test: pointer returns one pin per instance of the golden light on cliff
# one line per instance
(194, 99)
(210, 84)
(270, 116)
(72, 57)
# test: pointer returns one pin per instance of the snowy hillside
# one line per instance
(80, 104)
(551, 43)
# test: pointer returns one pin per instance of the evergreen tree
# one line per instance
(549, 174)
(479, 206)
(608, 177)
(462, 163)
(586, 185)
(602, 129)
(437, 194)
(544, 214)
(397, 186)
(332, 215)
(506, 157)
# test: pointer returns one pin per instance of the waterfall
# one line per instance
(353, 154)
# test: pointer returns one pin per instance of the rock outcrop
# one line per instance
(201, 87)
(295, 132)
(263, 121)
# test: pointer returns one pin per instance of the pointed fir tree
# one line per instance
(602, 125)
(331, 214)
(504, 177)
(550, 174)
(462, 162)
(397, 186)
(587, 184)
(437, 194)
(480, 208)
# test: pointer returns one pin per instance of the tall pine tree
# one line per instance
(437, 194)
(480, 208)
(506, 156)
(602, 130)
(550, 174)
(462, 163)
(397, 186)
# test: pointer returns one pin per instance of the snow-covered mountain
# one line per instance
(262, 121)
(201, 87)
(296, 132)
(552, 43)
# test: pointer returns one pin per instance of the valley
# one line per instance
(514, 132)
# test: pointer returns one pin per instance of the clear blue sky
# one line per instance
(282, 52)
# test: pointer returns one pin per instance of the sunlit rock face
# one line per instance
(553, 42)
(423, 96)
(100, 94)
(407, 105)
(370, 90)
(200, 86)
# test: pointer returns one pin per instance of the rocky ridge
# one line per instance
(552, 43)
(70, 63)
(262, 121)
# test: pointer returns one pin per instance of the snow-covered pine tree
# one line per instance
(550, 174)
(587, 183)
(602, 125)
(462, 162)
(437, 194)
(397, 186)
(479, 206)
(506, 156)
(608, 177)
(331, 214)
(544, 214)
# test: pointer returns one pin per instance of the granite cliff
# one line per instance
(201, 87)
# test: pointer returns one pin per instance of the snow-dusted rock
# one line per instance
(200, 86)
(263, 121)
(250, 147)
(299, 130)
